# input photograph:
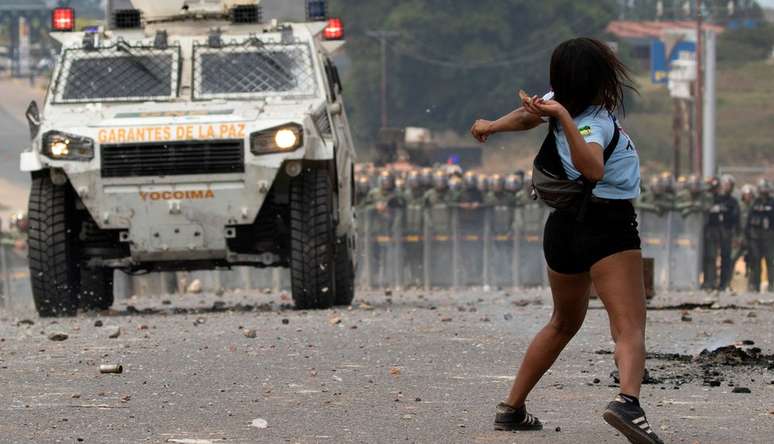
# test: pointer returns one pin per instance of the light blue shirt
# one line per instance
(622, 171)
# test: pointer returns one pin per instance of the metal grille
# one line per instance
(254, 69)
(173, 158)
(323, 123)
(113, 74)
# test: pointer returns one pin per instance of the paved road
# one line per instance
(408, 367)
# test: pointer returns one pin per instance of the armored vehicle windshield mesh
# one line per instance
(240, 71)
(119, 73)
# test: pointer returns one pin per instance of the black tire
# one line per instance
(312, 240)
(53, 248)
(96, 289)
(345, 273)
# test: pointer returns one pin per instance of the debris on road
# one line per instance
(114, 331)
(741, 390)
(111, 368)
(195, 287)
(336, 320)
(98, 323)
(57, 336)
(285, 321)
(250, 333)
(259, 423)
(25, 322)
(395, 371)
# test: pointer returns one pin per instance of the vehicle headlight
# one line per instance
(62, 146)
(283, 139)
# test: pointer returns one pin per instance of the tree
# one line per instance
(456, 60)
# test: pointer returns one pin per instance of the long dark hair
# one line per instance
(586, 72)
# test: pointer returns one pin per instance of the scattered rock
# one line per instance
(98, 323)
(199, 321)
(142, 327)
(752, 314)
(285, 321)
(741, 390)
(219, 292)
(259, 423)
(507, 316)
(686, 318)
(558, 429)
(597, 381)
(486, 319)
(728, 321)
(195, 287)
(114, 331)
(417, 399)
(395, 371)
(166, 302)
(25, 322)
(58, 336)
(446, 319)
(249, 333)
(336, 320)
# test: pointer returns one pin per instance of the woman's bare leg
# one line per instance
(571, 300)
(618, 280)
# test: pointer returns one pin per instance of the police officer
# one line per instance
(383, 204)
(760, 225)
(438, 203)
(721, 227)
(692, 199)
(742, 243)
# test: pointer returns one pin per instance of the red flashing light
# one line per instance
(63, 19)
(334, 30)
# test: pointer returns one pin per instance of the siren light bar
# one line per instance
(334, 30)
(63, 19)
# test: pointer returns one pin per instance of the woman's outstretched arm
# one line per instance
(517, 120)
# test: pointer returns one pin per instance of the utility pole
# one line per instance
(710, 123)
(383, 36)
(699, 114)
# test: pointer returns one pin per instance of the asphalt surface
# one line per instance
(404, 367)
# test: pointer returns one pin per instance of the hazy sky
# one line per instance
(767, 3)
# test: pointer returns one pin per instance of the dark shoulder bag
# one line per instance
(550, 181)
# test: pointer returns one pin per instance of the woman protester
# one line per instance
(592, 237)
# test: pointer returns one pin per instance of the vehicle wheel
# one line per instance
(53, 248)
(96, 289)
(312, 240)
(345, 273)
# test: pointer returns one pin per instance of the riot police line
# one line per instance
(445, 229)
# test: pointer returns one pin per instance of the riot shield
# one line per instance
(412, 247)
(383, 249)
(363, 271)
(500, 248)
(654, 233)
(470, 224)
(687, 233)
(528, 255)
(439, 260)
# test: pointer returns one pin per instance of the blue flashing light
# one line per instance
(316, 10)
(91, 29)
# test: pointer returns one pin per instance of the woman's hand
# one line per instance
(550, 108)
(481, 130)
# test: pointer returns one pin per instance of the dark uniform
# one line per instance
(721, 227)
(383, 206)
(760, 226)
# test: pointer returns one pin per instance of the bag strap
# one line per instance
(589, 185)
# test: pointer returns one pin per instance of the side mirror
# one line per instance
(33, 118)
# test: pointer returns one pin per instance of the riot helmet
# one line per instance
(386, 181)
(695, 184)
(497, 183)
(514, 183)
(483, 183)
(667, 181)
(713, 185)
(748, 193)
(727, 183)
(470, 180)
(764, 187)
(455, 183)
(440, 181)
(426, 178)
(413, 180)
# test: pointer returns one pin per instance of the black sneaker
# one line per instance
(509, 419)
(629, 419)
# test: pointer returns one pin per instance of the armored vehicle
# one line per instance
(191, 135)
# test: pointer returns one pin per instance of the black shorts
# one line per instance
(573, 247)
